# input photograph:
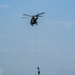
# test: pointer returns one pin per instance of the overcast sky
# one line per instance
(55, 37)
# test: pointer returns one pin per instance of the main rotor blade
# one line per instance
(41, 13)
(26, 15)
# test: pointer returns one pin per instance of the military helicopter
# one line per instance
(34, 18)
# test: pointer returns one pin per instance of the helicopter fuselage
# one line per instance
(33, 21)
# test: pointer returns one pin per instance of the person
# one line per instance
(38, 70)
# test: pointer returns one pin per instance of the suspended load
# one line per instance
(38, 70)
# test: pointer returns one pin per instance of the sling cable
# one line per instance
(38, 68)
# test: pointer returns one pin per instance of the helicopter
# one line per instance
(34, 18)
